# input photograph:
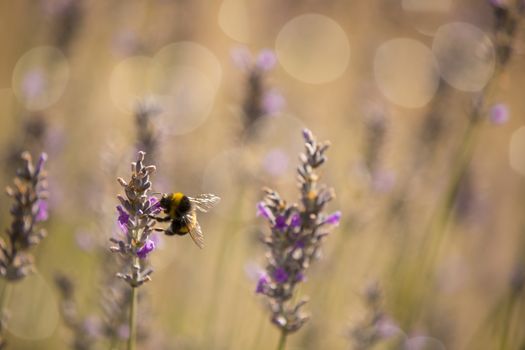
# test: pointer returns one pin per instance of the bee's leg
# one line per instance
(167, 232)
(160, 219)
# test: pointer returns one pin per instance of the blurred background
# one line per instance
(421, 100)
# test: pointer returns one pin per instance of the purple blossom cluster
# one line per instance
(295, 238)
(259, 100)
(506, 18)
(29, 208)
(376, 326)
(135, 221)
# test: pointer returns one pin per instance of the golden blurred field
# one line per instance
(432, 202)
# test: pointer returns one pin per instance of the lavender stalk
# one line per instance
(137, 225)
(295, 239)
(29, 192)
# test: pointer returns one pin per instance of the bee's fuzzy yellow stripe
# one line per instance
(175, 200)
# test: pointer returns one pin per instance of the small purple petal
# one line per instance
(42, 214)
(299, 244)
(147, 248)
(333, 219)
(296, 220)
(266, 60)
(299, 277)
(307, 135)
(264, 211)
(499, 114)
(280, 276)
(123, 219)
(261, 284)
(40, 164)
(273, 102)
(154, 205)
(280, 223)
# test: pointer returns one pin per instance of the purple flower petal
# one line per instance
(266, 60)
(333, 219)
(499, 114)
(42, 214)
(299, 244)
(147, 248)
(123, 219)
(280, 275)
(280, 223)
(40, 164)
(261, 284)
(264, 211)
(296, 220)
(299, 277)
(154, 205)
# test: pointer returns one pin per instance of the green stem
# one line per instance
(4, 298)
(507, 318)
(132, 319)
(282, 341)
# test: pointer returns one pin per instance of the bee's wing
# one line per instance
(194, 229)
(204, 202)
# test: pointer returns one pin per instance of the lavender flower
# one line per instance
(29, 192)
(295, 237)
(506, 18)
(147, 134)
(258, 100)
(134, 218)
(86, 331)
(376, 326)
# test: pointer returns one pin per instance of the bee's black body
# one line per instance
(179, 210)
(177, 207)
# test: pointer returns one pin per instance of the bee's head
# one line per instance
(165, 201)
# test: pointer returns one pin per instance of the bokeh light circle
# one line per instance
(186, 97)
(465, 55)
(313, 48)
(40, 77)
(188, 54)
(233, 20)
(517, 151)
(406, 72)
(33, 308)
(128, 82)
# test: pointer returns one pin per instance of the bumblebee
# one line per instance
(181, 210)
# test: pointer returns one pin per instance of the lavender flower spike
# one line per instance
(29, 192)
(294, 240)
(134, 218)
